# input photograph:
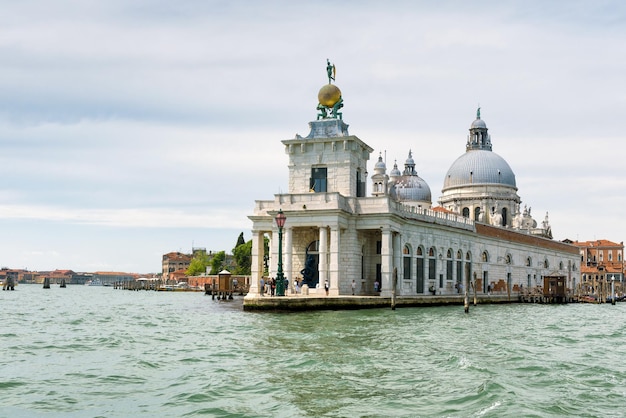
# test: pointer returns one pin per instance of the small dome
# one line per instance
(411, 188)
(410, 160)
(479, 123)
(380, 164)
(395, 171)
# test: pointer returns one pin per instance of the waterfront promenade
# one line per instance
(299, 302)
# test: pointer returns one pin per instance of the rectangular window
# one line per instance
(379, 247)
(407, 268)
(486, 281)
(318, 182)
(432, 265)
(449, 270)
(459, 271)
(360, 185)
(420, 275)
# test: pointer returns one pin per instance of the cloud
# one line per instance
(162, 120)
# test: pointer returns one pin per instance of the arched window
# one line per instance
(466, 212)
(485, 256)
(406, 251)
(529, 262)
(508, 259)
(459, 267)
(449, 264)
(419, 270)
(476, 213)
(561, 265)
(546, 263)
(432, 264)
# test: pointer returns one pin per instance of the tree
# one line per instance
(198, 264)
(240, 240)
(242, 254)
(217, 263)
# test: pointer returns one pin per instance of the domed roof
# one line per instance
(478, 123)
(380, 164)
(410, 161)
(408, 186)
(395, 171)
(479, 167)
(411, 188)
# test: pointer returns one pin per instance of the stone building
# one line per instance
(335, 233)
(602, 261)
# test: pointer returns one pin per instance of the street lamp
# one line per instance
(280, 278)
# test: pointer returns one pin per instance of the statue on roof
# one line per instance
(329, 96)
(478, 113)
(330, 70)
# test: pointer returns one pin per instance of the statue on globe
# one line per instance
(329, 96)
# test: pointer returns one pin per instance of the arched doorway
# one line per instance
(310, 272)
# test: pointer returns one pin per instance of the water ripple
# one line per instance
(89, 352)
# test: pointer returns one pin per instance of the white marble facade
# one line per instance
(412, 249)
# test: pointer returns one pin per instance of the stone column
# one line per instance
(335, 240)
(273, 259)
(397, 261)
(256, 266)
(386, 258)
(323, 260)
(287, 259)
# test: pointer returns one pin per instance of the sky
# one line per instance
(130, 129)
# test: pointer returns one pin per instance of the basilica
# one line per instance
(392, 240)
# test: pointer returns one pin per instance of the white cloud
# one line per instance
(166, 118)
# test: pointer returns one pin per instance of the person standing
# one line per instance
(326, 286)
(353, 286)
(376, 286)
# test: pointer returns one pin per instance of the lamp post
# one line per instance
(280, 278)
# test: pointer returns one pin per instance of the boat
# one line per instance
(93, 282)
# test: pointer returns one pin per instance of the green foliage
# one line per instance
(240, 241)
(242, 254)
(217, 263)
(198, 264)
(266, 255)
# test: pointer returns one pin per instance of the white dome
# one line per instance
(479, 167)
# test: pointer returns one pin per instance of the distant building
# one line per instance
(111, 277)
(601, 261)
(173, 262)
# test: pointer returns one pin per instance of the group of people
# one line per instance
(268, 286)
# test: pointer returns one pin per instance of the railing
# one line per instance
(363, 205)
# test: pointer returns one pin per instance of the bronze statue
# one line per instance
(330, 70)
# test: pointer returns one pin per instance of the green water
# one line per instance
(99, 352)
